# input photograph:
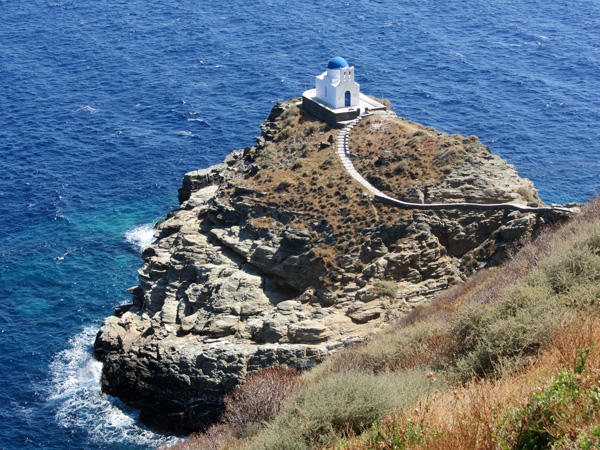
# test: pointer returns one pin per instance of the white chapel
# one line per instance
(336, 98)
(336, 86)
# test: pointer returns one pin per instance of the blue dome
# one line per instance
(337, 63)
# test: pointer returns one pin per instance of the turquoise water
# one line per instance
(105, 105)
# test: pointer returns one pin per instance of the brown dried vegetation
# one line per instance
(398, 155)
(301, 172)
(247, 409)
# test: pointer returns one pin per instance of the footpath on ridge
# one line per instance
(343, 152)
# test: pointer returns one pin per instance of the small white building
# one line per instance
(337, 99)
(336, 86)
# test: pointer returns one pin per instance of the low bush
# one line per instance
(339, 406)
(400, 143)
(251, 405)
(216, 437)
(266, 156)
(552, 404)
(563, 414)
(387, 288)
(400, 168)
(283, 186)
(314, 127)
(423, 346)
(329, 162)
(284, 134)
(526, 194)
(292, 111)
(573, 269)
(413, 142)
(564, 275)
(449, 155)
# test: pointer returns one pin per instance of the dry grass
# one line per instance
(217, 437)
(488, 414)
(552, 396)
(399, 155)
(419, 347)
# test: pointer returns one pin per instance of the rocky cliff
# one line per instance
(277, 256)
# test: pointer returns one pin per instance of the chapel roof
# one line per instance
(337, 63)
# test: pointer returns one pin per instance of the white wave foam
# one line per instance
(88, 109)
(141, 236)
(75, 393)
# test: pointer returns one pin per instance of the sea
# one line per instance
(105, 105)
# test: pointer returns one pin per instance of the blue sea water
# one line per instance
(105, 105)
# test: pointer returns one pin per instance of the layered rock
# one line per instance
(240, 279)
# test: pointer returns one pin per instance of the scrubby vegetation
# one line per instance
(508, 359)
(300, 172)
(398, 155)
(248, 409)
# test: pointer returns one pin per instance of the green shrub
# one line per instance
(283, 186)
(449, 155)
(564, 414)
(492, 339)
(329, 161)
(401, 167)
(387, 288)
(266, 156)
(291, 112)
(313, 127)
(400, 143)
(573, 270)
(413, 142)
(296, 147)
(414, 347)
(335, 407)
(284, 134)
(526, 194)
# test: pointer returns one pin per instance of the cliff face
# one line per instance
(278, 257)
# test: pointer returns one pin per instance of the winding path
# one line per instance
(342, 151)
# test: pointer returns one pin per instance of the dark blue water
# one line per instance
(105, 105)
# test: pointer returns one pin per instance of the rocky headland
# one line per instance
(278, 257)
